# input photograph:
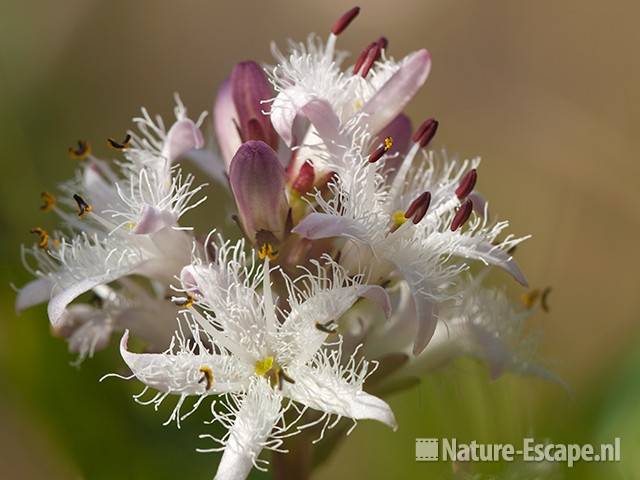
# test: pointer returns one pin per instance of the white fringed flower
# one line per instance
(243, 346)
(127, 220)
(369, 212)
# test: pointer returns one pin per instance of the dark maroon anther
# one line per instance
(377, 154)
(425, 132)
(372, 56)
(462, 215)
(361, 58)
(466, 184)
(305, 179)
(343, 22)
(383, 42)
(419, 207)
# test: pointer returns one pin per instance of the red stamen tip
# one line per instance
(383, 42)
(462, 215)
(343, 22)
(425, 132)
(467, 184)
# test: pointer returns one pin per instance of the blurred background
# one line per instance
(546, 92)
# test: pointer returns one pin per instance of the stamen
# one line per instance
(383, 42)
(267, 250)
(282, 375)
(362, 57)
(372, 57)
(49, 201)
(120, 146)
(344, 21)
(81, 152)
(381, 150)
(462, 215)
(418, 208)
(43, 242)
(425, 132)
(83, 206)
(467, 184)
(183, 302)
(544, 299)
(286, 377)
(263, 366)
(529, 299)
(207, 376)
(328, 327)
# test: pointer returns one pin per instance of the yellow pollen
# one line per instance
(358, 104)
(49, 201)
(263, 366)
(81, 152)
(398, 218)
(388, 143)
(207, 376)
(186, 303)
(43, 241)
(266, 250)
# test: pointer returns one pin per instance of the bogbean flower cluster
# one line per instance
(355, 266)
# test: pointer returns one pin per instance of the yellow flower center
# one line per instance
(398, 218)
(263, 366)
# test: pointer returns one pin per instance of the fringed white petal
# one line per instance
(257, 416)
(184, 372)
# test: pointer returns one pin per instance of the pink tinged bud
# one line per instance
(344, 21)
(396, 93)
(418, 208)
(467, 184)
(257, 181)
(183, 136)
(462, 215)
(249, 87)
(425, 132)
(305, 179)
(225, 120)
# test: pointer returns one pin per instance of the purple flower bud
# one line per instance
(257, 181)
(249, 87)
(400, 130)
